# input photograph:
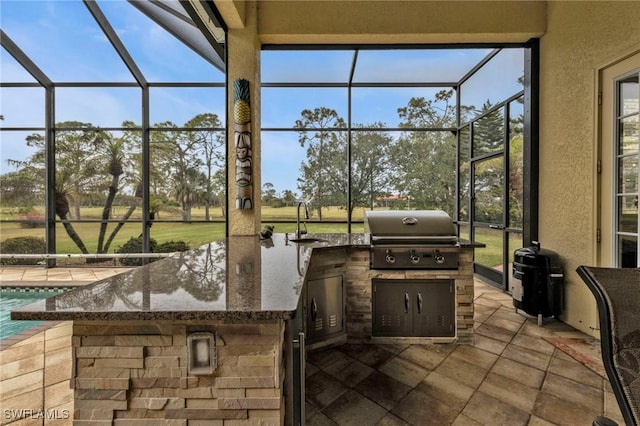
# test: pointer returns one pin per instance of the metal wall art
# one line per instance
(242, 140)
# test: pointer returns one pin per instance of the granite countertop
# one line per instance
(238, 278)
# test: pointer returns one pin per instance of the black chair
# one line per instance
(617, 293)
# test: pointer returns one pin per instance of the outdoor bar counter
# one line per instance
(239, 278)
(209, 334)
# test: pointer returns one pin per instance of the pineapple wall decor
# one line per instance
(242, 140)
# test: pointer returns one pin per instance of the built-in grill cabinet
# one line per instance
(403, 241)
(324, 308)
(404, 307)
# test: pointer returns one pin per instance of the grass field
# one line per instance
(197, 234)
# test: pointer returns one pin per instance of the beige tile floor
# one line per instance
(512, 375)
(40, 276)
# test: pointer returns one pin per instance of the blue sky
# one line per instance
(63, 39)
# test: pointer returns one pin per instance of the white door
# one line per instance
(619, 162)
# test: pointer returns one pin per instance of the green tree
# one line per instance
(369, 167)
(219, 190)
(317, 132)
(488, 137)
(370, 171)
(176, 153)
(516, 180)
(210, 144)
(288, 197)
(162, 148)
(425, 161)
(488, 132)
(85, 157)
(268, 193)
(23, 187)
(76, 158)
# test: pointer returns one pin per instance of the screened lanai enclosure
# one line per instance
(113, 126)
(114, 133)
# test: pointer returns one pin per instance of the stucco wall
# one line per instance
(580, 38)
(399, 21)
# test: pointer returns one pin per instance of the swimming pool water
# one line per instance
(12, 299)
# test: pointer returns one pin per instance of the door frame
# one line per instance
(530, 154)
(604, 204)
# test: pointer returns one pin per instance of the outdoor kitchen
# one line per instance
(232, 332)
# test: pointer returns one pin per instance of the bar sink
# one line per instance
(307, 240)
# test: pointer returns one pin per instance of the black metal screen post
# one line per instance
(349, 139)
(531, 140)
(50, 171)
(146, 138)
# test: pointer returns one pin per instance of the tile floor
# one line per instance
(511, 376)
(64, 277)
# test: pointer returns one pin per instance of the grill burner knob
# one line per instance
(414, 258)
(390, 258)
(439, 258)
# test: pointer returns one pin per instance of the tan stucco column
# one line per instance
(243, 62)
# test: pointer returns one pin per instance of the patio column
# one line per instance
(243, 62)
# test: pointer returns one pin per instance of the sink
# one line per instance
(307, 240)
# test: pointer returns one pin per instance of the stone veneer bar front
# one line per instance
(130, 331)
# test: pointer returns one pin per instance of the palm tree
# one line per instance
(62, 210)
(115, 155)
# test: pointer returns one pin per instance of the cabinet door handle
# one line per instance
(314, 309)
(406, 303)
(419, 303)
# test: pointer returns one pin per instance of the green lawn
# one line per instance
(197, 234)
(492, 255)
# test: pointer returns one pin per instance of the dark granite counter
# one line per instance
(240, 278)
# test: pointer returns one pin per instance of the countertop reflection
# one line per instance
(241, 277)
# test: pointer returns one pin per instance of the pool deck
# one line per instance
(31, 276)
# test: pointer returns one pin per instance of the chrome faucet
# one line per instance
(301, 232)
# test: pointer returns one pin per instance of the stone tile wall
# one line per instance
(34, 379)
(358, 303)
(135, 373)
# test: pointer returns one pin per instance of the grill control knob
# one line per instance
(390, 258)
(438, 257)
(414, 258)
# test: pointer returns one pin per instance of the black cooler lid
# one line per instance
(539, 257)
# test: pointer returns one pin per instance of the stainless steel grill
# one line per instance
(419, 239)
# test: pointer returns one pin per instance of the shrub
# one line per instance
(134, 245)
(172, 246)
(22, 245)
(35, 218)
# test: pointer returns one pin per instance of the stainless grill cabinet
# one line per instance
(412, 240)
(413, 307)
(324, 308)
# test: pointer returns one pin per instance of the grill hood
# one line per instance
(411, 226)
